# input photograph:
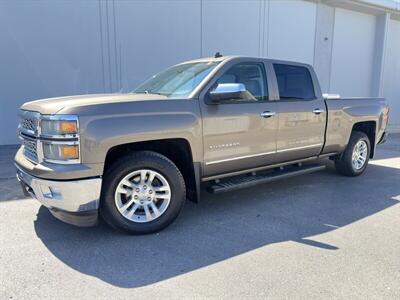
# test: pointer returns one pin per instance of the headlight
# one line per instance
(59, 125)
(60, 152)
(60, 138)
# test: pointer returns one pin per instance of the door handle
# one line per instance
(318, 111)
(267, 114)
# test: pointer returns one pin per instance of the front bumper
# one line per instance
(73, 201)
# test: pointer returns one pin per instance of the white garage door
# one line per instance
(352, 53)
(47, 49)
(391, 81)
(291, 30)
(231, 27)
(153, 35)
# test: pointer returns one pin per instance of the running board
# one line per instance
(244, 181)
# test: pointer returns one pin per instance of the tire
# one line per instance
(344, 164)
(115, 207)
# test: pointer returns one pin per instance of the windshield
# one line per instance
(178, 81)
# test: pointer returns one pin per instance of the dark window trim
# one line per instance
(294, 99)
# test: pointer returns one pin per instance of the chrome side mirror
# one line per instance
(227, 91)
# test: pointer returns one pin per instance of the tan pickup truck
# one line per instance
(225, 122)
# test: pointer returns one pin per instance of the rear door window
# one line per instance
(294, 82)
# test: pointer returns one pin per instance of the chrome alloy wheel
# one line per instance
(359, 156)
(142, 196)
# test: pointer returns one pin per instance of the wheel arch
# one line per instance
(178, 150)
(369, 128)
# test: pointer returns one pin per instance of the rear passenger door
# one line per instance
(302, 115)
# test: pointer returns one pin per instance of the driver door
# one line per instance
(240, 134)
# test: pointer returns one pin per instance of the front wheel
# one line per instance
(354, 159)
(142, 193)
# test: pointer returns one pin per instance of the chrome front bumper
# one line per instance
(70, 201)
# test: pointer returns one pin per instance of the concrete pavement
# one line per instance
(316, 236)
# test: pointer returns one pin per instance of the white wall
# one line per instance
(325, 21)
(46, 50)
(53, 48)
(291, 31)
(353, 53)
(222, 32)
(154, 35)
(391, 82)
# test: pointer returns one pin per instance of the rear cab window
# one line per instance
(294, 82)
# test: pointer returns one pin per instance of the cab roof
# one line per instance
(231, 57)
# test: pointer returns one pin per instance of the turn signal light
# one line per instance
(68, 127)
(70, 152)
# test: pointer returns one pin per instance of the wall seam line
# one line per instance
(201, 28)
(259, 27)
(115, 49)
(331, 56)
(268, 25)
(101, 47)
(109, 49)
(315, 30)
(383, 54)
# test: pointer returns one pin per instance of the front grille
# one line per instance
(30, 150)
(28, 132)
(29, 125)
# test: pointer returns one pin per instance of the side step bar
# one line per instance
(244, 181)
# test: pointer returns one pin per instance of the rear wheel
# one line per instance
(142, 193)
(354, 159)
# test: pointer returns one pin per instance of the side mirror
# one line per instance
(227, 91)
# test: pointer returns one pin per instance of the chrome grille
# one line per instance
(30, 150)
(28, 132)
(29, 124)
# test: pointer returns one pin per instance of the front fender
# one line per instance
(169, 119)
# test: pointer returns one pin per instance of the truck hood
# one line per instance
(53, 105)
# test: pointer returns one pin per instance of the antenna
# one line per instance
(217, 55)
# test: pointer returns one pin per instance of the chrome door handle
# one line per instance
(267, 114)
(318, 111)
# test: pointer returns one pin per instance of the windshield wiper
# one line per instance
(150, 92)
(142, 92)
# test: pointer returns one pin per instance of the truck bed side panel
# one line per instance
(344, 113)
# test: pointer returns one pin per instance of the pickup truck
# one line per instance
(222, 123)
